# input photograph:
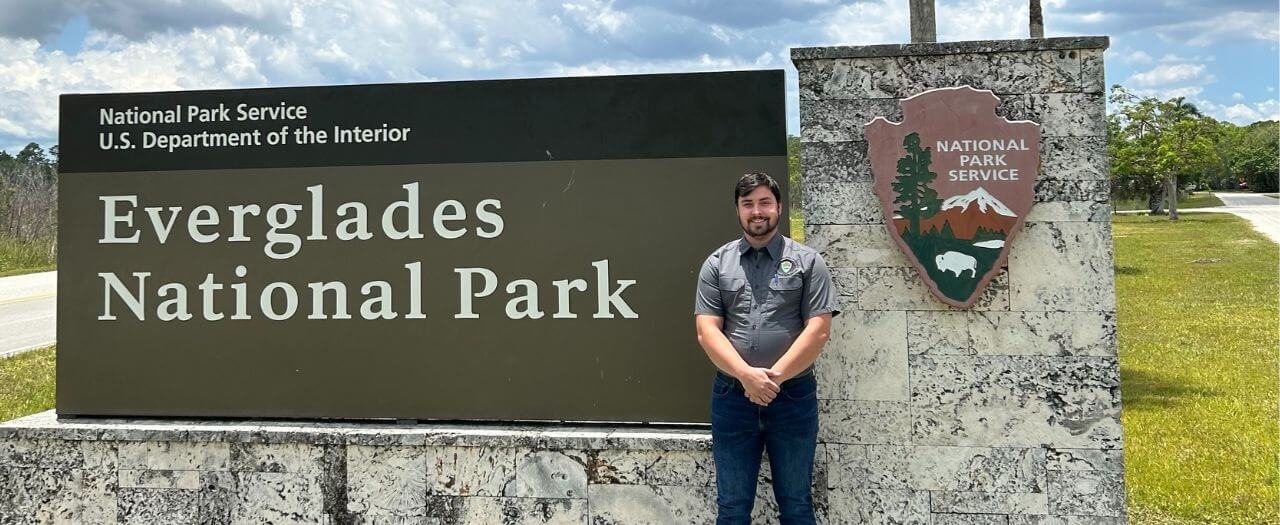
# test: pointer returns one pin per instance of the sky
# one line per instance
(1222, 55)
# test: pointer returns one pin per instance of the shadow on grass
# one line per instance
(1143, 390)
(1195, 217)
(1128, 270)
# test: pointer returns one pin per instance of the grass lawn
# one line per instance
(1200, 199)
(1198, 332)
(26, 383)
(19, 258)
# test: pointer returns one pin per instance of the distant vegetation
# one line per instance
(1161, 148)
(28, 209)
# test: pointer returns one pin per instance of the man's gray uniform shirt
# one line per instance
(764, 295)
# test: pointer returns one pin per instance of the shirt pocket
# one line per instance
(791, 284)
(731, 293)
(785, 293)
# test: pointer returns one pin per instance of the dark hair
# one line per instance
(751, 181)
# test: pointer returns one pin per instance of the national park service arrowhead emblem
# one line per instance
(955, 183)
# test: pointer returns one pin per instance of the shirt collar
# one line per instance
(774, 247)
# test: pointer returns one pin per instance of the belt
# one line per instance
(737, 385)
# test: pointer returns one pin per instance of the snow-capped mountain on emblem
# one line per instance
(967, 215)
(955, 183)
(984, 200)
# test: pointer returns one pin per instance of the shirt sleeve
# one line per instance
(707, 299)
(819, 291)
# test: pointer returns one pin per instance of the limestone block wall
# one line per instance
(190, 472)
(1008, 413)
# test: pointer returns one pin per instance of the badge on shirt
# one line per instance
(787, 267)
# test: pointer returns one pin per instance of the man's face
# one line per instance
(758, 213)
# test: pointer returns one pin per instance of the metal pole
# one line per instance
(1037, 20)
(923, 25)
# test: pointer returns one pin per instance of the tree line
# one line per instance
(29, 199)
(1161, 148)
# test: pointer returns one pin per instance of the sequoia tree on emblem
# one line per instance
(955, 183)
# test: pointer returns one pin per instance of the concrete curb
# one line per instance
(11, 353)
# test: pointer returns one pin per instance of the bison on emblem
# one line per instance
(956, 262)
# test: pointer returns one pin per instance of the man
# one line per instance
(763, 312)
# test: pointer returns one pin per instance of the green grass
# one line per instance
(18, 258)
(1198, 332)
(26, 383)
(1200, 199)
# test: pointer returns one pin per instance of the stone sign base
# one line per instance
(104, 471)
(149, 471)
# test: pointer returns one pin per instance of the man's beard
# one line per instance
(760, 230)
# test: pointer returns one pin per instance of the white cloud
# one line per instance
(1174, 77)
(1171, 58)
(888, 21)
(1191, 93)
(146, 45)
(618, 67)
(1249, 113)
(596, 16)
(377, 41)
(1240, 113)
(1093, 17)
(982, 20)
(1237, 96)
(1168, 74)
(1136, 56)
(139, 19)
(1180, 92)
(869, 23)
(220, 58)
(1179, 22)
(1264, 25)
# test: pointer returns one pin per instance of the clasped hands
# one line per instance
(761, 385)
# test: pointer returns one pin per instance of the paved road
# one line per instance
(1261, 210)
(28, 310)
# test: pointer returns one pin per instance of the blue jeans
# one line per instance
(787, 429)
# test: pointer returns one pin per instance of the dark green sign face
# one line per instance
(498, 250)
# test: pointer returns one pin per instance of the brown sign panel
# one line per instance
(955, 183)
(516, 250)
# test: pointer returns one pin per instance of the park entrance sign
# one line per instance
(493, 250)
(955, 183)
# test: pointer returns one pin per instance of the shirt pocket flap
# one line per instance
(731, 284)
(786, 283)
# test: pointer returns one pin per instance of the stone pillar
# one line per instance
(1037, 20)
(1005, 413)
(923, 24)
